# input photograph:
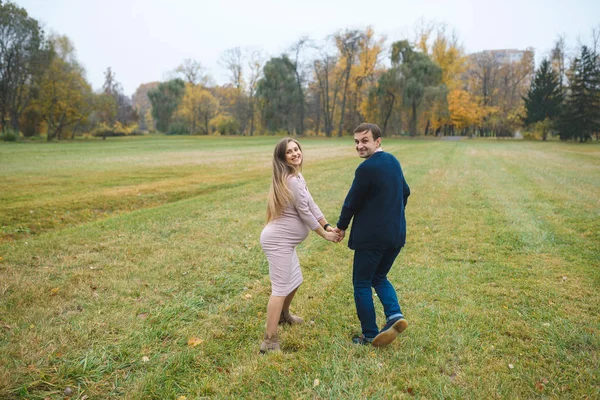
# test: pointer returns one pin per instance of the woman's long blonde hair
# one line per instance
(279, 193)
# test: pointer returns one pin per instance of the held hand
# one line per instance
(341, 234)
(332, 236)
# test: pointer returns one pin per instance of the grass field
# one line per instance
(131, 268)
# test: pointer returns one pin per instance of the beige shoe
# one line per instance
(388, 335)
(287, 318)
(270, 344)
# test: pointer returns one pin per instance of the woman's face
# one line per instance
(293, 154)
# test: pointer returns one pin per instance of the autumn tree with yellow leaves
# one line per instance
(423, 86)
(65, 97)
(197, 107)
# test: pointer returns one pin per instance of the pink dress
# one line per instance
(281, 236)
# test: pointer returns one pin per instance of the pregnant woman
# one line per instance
(291, 215)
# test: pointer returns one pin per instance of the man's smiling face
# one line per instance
(365, 145)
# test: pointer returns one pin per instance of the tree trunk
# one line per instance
(252, 115)
(427, 128)
(299, 83)
(389, 112)
(326, 115)
(14, 121)
(73, 131)
(318, 122)
(328, 122)
(413, 120)
(60, 127)
(341, 126)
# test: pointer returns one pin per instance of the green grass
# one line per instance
(117, 250)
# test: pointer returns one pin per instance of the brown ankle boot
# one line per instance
(288, 318)
(270, 344)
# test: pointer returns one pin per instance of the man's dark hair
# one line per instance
(366, 126)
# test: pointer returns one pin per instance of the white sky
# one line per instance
(143, 40)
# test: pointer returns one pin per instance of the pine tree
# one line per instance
(581, 117)
(544, 98)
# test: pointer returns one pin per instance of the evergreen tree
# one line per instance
(279, 95)
(165, 99)
(420, 75)
(544, 98)
(581, 116)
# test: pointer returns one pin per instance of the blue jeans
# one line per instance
(370, 270)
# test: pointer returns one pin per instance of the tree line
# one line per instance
(426, 85)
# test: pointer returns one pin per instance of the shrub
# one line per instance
(225, 125)
(531, 135)
(9, 135)
(178, 128)
(117, 129)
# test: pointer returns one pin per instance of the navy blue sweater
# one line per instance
(376, 201)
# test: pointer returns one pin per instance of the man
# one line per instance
(376, 201)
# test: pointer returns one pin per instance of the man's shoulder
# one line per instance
(378, 159)
(388, 159)
(388, 156)
(367, 165)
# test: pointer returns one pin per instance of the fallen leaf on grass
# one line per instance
(194, 341)
(145, 359)
(182, 398)
(54, 291)
(248, 296)
(539, 386)
(316, 383)
(511, 366)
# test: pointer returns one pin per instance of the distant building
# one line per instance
(506, 56)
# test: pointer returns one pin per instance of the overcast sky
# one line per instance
(142, 40)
